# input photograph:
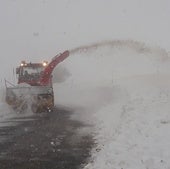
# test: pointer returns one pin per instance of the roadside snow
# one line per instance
(124, 91)
(133, 131)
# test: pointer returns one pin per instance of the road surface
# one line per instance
(44, 141)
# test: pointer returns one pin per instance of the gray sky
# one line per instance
(35, 30)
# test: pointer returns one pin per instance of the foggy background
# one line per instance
(37, 30)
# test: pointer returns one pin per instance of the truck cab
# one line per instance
(30, 73)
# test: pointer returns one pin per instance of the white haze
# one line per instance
(38, 30)
(121, 86)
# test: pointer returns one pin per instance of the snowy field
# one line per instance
(123, 89)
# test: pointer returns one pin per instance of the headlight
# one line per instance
(23, 63)
(45, 63)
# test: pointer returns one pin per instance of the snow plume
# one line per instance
(93, 68)
(139, 47)
(60, 74)
(5, 111)
(123, 88)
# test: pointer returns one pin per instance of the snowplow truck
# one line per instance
(34, 89)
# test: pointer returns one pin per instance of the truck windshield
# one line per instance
(31, 70)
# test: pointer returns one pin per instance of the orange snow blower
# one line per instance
(34, 89)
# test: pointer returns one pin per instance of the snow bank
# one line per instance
(122, 87)
(132, 131)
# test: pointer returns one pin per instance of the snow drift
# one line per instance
(122, 87)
